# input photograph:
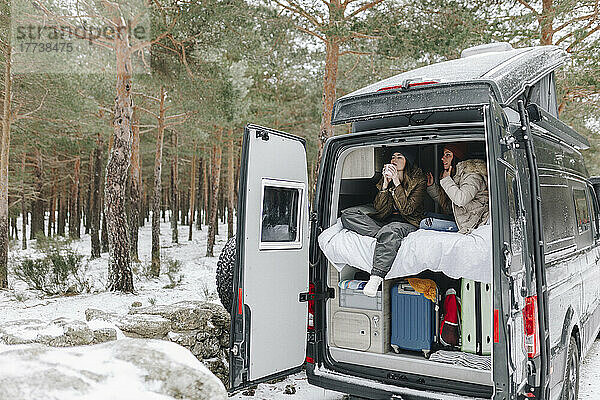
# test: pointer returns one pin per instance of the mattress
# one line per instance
(455, 254)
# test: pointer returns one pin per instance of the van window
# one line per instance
(516, 227)
(543, 93)
(557, 217)
(594, 210)
(280, 215)
(582, 216)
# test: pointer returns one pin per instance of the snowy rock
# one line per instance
(186, 339)
(75, 333)
(201, 327)
(60, 332)
(225, 340)
(122, 369)
(143, 325)
(188, 315)
(102, 335)
(134, 325)
(218, 366)
(207, 349)
(92, 314)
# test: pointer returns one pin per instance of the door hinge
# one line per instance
(328, 294)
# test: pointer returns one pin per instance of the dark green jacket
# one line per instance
(406, 199)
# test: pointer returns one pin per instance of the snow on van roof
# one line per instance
(508, 71)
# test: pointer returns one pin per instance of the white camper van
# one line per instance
(539, 255)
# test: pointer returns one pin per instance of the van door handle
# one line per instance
(506, 251)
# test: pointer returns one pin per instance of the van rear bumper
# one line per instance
(370, 389)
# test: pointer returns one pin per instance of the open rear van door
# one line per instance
(509, 190)
(268, 321)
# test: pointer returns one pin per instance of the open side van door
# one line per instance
(508, 184)
(268, 320)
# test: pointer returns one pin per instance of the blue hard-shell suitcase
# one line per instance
(414, 319)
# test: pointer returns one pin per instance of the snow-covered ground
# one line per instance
(198, 283)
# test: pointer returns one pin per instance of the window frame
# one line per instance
(579, 229)
(566, 243)
(594, 211)
(294, 185)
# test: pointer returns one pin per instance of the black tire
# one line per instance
(570, 389)
(225, 267)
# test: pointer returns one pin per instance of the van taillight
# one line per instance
(311, 307)
(530, 320)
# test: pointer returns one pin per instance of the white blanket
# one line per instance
(454, 254)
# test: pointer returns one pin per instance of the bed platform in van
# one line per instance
(455, 254)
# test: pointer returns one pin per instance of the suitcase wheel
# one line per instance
(426, 353)
(395, 348)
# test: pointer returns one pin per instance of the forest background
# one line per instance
(143, 127)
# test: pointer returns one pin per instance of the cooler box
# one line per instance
(476, 317)
(414, 321)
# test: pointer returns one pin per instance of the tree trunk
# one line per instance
(134, 190)
(120, 276)
(23, 207)
(164, 205)
(53, 195)
(174, 186)
(199, 197)
(155, 268)
(332, 54)
(4, 159)
(146, 204)
(231, 188)
(74, 222)
(206, 184)
(37, 212)
(104, 231)
(546, 20)
(215, 178)
(192, 191)
(62, 209)
(95, 198)
(183, 208)
(15, 230)
(88, 199)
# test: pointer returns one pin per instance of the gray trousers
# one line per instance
(389, 235)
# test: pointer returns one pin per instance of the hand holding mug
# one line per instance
(389, 171)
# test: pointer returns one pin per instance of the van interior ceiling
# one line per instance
(358, 327)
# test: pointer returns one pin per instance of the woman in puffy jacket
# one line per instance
(397, 211)
(462, 191)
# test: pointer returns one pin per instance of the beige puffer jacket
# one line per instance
(468, 191)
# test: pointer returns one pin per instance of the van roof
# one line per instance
(504, 73)
(508, 70)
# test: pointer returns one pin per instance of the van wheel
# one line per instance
(225, 267)
(571, 378)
